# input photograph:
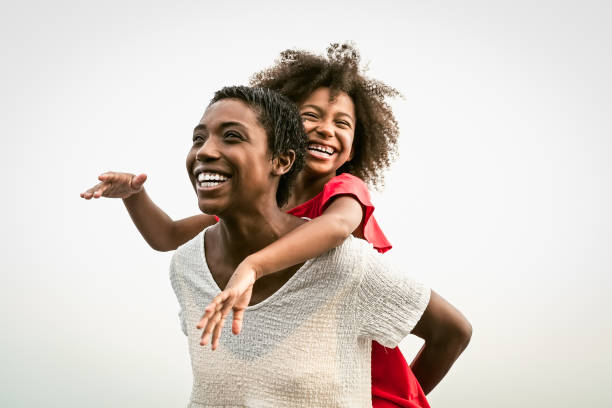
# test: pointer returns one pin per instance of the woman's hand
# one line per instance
(236, 296)
(115, 185)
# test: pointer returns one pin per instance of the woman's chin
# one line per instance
(210, 207)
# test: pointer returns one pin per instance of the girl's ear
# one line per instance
(282, 163)
(352, 153)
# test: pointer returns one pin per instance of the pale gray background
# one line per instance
(500, 200)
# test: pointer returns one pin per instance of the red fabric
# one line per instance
(346, 184)
(393, 382)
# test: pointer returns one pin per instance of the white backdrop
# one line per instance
(498, 200)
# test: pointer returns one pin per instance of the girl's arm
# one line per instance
(446, 333)
(156, 227)
(339, 220)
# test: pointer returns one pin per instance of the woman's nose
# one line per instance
(208, 151)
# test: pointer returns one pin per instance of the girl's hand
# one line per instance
(236, 296)
(116, 185)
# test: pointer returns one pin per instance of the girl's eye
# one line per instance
(309, 115)
(343, 124)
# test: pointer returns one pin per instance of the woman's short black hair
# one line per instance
(281, 120)
(298, 73)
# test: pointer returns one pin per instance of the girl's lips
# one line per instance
(320, 155)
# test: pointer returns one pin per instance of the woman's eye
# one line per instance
(233, 136)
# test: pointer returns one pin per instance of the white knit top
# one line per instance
(309, 343)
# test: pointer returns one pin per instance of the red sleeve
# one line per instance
(347, 184)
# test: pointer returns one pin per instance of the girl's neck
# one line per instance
(306, 186)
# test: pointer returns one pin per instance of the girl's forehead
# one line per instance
(324, 98)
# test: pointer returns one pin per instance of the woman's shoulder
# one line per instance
(347, 258)
(190, 251)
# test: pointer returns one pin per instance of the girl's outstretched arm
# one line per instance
(339, 220)
(446, 333)
(156, 227)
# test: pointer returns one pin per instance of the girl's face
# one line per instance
(330, 127)
(229, 163)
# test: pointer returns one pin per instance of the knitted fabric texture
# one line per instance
(309, 343)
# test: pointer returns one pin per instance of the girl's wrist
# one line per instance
(252, 263)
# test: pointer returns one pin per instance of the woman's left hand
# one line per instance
(236, 297)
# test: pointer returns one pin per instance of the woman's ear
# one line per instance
(282, 163)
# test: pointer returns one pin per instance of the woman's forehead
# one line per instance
(229, 110)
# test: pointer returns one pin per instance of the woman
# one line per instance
(308, 331)
(352, 136)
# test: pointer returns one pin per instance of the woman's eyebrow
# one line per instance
(232, 123)
(199, 127)
(223, 125)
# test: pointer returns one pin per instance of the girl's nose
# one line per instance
(325, 129)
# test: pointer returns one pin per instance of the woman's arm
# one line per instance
(156, 227)
(446, 333)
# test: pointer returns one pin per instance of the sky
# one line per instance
(500, 199)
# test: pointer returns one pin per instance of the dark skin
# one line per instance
(251, 223)
(246, 202)
(252, 220)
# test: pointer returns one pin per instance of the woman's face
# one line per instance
(330, 127)
(229, 164)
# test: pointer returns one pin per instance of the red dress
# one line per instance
(393, 383)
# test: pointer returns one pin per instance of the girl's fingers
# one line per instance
(138, 181)
(214, 306)
(101, 190)
(238, 319)
(209, 328)
(89, 193)
(105, 176)
(217, 331)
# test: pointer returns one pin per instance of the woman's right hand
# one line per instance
(115, 185)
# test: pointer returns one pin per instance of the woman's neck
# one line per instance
(242, 233)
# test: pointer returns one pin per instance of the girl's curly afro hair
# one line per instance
(298, 73)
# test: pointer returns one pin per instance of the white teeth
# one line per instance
(321, 148)
(202, 177)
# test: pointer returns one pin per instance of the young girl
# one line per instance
(352, 136)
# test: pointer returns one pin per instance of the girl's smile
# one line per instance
(330, 127)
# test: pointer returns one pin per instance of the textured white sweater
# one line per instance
(309, 343)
